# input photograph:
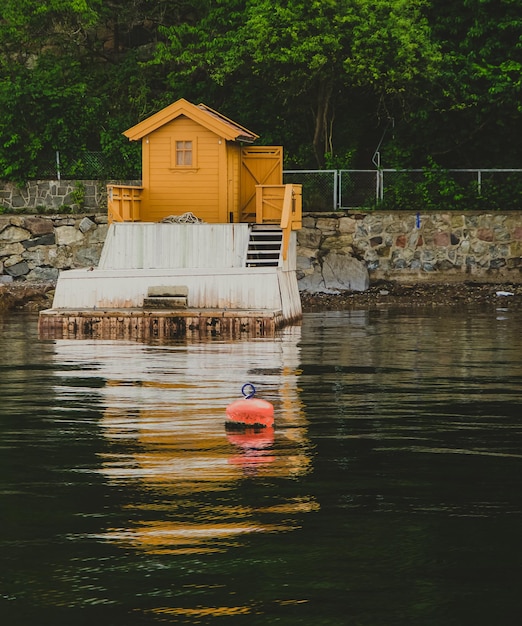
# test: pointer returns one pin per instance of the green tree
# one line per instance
(306, 51)
(472, 112)
(72, 78)
(322, 77)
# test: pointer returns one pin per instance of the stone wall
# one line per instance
(39, 195)
(342, 250)
(36, 248)
(346, 250)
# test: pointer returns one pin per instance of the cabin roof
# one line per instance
(202, 114)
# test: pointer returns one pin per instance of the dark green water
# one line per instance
(389, 492)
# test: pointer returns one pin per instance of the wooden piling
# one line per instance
(146, 325)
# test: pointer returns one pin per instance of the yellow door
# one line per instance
(262, 165)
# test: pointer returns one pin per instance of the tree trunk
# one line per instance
(321, 130)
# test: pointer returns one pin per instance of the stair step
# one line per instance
(262, 262)
(168, 291)
(165, 302)
(261, 248)
(265, 241)
(263, 251)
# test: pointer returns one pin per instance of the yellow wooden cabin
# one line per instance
(196, 160)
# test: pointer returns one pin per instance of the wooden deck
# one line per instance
(144, 325)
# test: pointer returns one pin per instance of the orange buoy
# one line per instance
(250, 411)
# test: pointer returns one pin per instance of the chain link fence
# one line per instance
(414, 189)
(320, 188)
(331, 190)
(357, 188)
(452, 189)
(89, 165)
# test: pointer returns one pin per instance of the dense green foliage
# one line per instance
(338, 83)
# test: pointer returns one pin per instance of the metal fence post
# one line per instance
(379, 185)
(336, 192)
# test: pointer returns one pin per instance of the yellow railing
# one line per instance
(275, 204)
(123, 203)
(280, 204)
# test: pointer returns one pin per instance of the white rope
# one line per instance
(185, 218)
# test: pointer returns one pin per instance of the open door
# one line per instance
(262, 165)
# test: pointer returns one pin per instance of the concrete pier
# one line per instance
(174, 280)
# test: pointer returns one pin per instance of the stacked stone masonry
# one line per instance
(336, 251)
(37, 248)
(40, 195)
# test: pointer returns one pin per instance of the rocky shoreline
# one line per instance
(391, 293)
(26, 296)
(33, 297)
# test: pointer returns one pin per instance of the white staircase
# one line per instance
(264, 246)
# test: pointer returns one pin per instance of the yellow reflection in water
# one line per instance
(202, 611)
(163, 537)
(164, 421)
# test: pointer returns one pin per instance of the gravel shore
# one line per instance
(390, 293)
(25, 296)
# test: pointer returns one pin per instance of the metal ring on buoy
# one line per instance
(252, 391)
(250, 411)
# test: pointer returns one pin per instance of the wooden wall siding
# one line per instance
(173, 191)
(164, 246)
(252, 289)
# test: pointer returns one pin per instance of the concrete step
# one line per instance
(165, 302)
(167, 291)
